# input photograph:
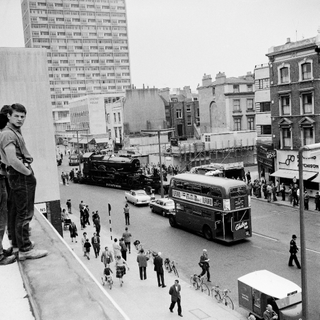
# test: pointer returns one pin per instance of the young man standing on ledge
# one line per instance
(15, 156)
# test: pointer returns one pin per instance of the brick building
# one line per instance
(295, 107)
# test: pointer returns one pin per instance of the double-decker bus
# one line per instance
(218, 208)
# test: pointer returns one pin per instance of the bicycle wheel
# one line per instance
(216, 294)
(194, 282)
(205, 289)
(228, 302)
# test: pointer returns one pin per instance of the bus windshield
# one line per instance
(214, 206)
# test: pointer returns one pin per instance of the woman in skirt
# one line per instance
(121, 268)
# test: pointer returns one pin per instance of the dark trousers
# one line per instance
(283, 194)
(124, 254)
(22, 195)
(294, 258)
(160, 278)
(306, 205)
(98, 228)
(96, 248)
(128, 245)
(173, 303)
(204, 271)
(143, 273)
(127, 218)
(3, 210)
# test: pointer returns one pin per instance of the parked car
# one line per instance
(137, 197)
(162, 206)
(74, 160)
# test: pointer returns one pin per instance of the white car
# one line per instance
(137, 197)
(163, 206)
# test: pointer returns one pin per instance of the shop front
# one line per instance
(287, 170)
(265, 157)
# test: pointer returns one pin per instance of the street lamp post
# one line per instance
(158, 132)
(311, 150)
(78, 147)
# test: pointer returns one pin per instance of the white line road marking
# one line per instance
(266, 237)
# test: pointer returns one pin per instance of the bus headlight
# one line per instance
(226, 204)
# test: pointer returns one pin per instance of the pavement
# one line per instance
(65, 285)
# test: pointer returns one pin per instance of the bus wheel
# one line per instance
(172, 221)
(207, 232)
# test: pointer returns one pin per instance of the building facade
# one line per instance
(227, 104)
(182, 113)
(295, 107)
(87, 46)
(265, 150)
(99, 119)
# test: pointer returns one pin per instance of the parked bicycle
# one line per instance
(171, 266)
(222, 296)
(198, 283)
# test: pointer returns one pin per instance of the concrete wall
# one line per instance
(142, 106)
(24, 79)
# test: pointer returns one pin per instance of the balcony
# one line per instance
(237, 111)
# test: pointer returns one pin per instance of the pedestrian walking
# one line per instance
(87, 246)
(174, 291)
(269, 192)
(293, 252)
(123, 249)
(83, 241)
(306, 200)
(95, 241)
(22, 182)
(106, 257)
(317, 201)
(142, 260)
(274, 192)
(63, 178)
(96, 222)
(86, 215)
(204, 264)
(116, 248)
(127, 239)
(68, 203)
(248, 176)
(158, 268)
(126, 214)
(73, 231)
(121, 266)
(283, 191)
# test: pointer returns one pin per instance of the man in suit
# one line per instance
(175, 297)
(158, 268)
(293, 252)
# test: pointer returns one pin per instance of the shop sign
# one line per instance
(290, 160)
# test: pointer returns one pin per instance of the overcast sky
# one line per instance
(173, 43)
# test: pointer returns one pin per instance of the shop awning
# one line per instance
(316, 178)
(290, 174)
(73, 140)
(101, 140)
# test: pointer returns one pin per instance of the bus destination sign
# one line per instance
(193, 198)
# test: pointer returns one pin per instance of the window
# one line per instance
(249, 87)
(237, 124)
(283, 73)
(307, 135)
(250, 123)
(179, 114)
(265, 107)
(188, 108)
(119, 117)
(285, 105)
(307, 105)
(286, 137)
(266, 129)
(236, 88)
(306, 71)
(116, 132)
(189, 120)
(249, 104)
(236, 105)
(207, 138)
(115, 117)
